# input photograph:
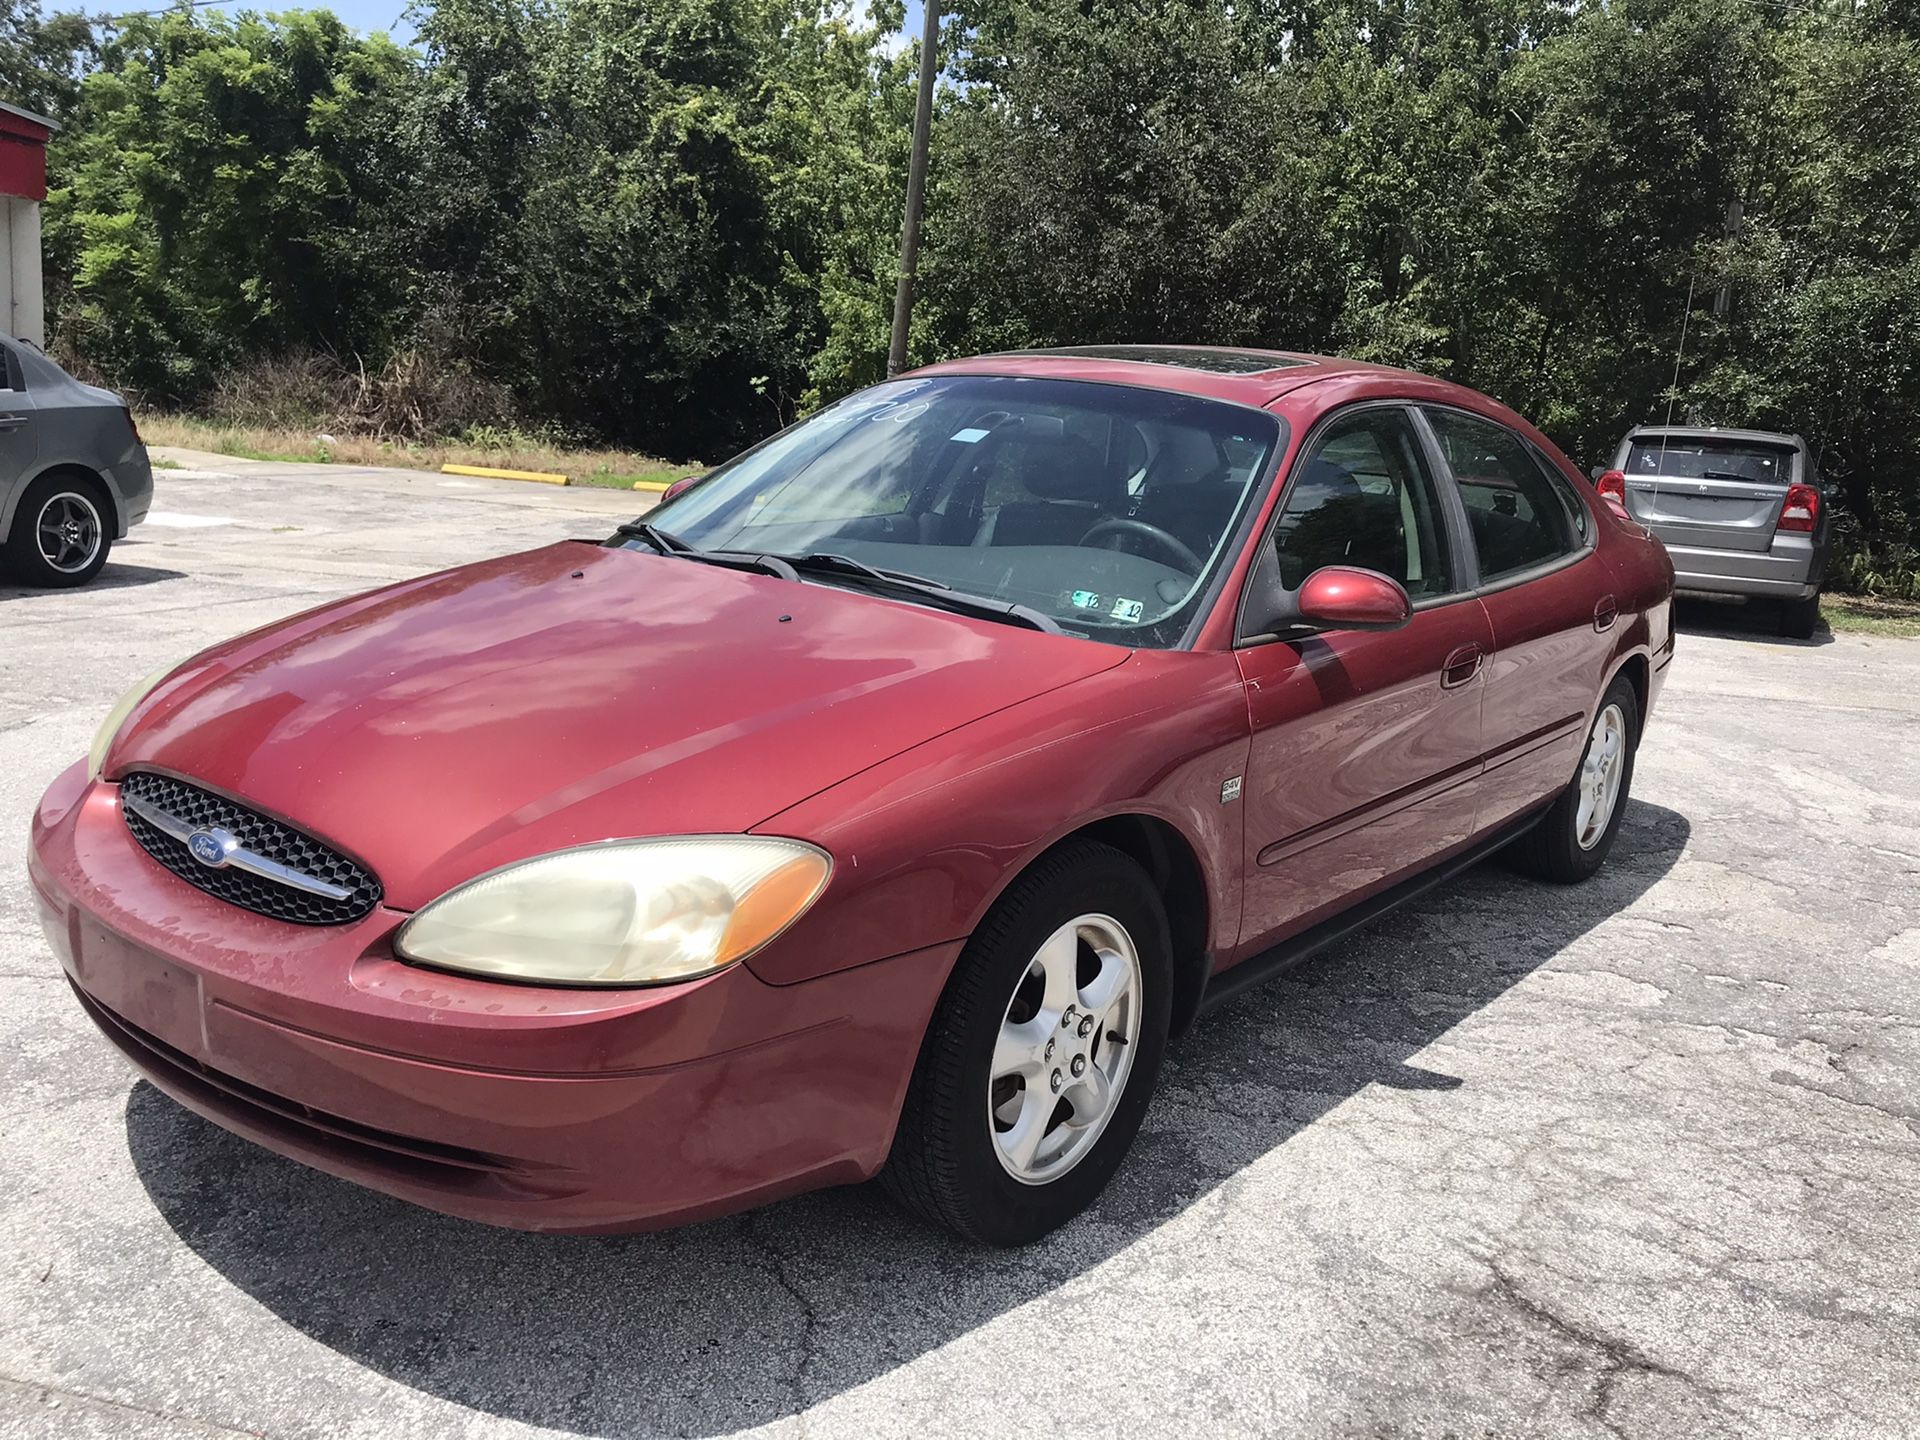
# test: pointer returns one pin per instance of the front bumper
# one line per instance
(533, 1107)
(1793, 569)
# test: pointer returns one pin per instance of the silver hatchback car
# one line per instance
(73, 473)
(1742, 512)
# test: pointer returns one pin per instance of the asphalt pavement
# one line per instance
(1637, 1158)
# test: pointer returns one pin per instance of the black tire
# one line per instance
(945, 1166)
(1551, 849)
(1799, 618)
(67, 500)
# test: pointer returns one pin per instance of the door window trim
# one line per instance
(1452, 515)
(1588, 541)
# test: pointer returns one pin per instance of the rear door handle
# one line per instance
(1460, 667)
(12, 422)
(1605, 612)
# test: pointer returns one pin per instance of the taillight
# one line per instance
(1801, 509)
(1613, 483)
(680, 487)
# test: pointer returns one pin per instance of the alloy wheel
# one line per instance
(1600, 774)
(68, 532)
(1064, 1049)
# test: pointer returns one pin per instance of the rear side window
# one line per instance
(1689, 457)
(1515, 513)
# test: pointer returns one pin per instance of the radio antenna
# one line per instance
(1673, 391)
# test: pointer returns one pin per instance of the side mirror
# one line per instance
(680, 487)
(1341, 597)
(1594, 472)
(1335, 597)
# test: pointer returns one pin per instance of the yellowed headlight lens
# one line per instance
(626, 912)
(116, 717)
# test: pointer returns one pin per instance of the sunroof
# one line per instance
(1215, 362)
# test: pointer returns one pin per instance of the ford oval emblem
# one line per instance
(210, 847)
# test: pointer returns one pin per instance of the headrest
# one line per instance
(1321, 481)
(1060, 467)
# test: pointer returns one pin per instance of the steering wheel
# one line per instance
(1171, 544)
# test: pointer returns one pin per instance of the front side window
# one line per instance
(1107, 508)
(1515, 515)
(1362, 496)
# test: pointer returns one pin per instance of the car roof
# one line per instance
(1715, 432)
(1222, 372)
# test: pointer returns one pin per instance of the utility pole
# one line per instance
(916, 189)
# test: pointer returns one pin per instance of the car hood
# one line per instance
(442, 727)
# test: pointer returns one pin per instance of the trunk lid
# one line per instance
(1708, 492)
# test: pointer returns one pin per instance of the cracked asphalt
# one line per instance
(1637, 1158)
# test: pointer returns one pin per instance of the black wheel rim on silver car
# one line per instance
(68, 531)
(1600, 773)
(1064, 1049)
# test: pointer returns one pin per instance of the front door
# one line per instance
(1366, 745)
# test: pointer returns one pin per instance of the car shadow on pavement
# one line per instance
(111, 577)
(742, 1321)
(1754, 620)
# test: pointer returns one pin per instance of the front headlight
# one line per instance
(624, 912)
(116, 717)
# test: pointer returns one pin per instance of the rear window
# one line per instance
(1689, 458)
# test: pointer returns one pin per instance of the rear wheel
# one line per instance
(1571, 841)
(1799, 617)
(1041, 1055)
(61, 533)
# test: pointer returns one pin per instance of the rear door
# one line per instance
(1708, 492)
(19, 445)
(1548, 598)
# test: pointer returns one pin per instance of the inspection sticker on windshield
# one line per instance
(972, 435)
(1085, 600)
(1128, 610)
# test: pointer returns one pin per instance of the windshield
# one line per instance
(1107, 508)
(1690, 457)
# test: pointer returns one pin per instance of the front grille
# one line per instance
(264, 836)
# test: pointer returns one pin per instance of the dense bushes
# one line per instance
(673, 222)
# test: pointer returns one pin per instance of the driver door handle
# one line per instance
(12, 422)
(1461, 666)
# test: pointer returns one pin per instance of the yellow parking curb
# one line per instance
(655, 485)
(544, 477)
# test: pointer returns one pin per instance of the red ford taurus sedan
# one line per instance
(881, 804)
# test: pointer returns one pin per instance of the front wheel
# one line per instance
(1042, 1053)
(1572, 839)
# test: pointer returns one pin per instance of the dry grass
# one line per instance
(506, 449)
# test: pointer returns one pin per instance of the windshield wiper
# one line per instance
(668, 543)
(847, 570)
(1729, 475)
(833, 563)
